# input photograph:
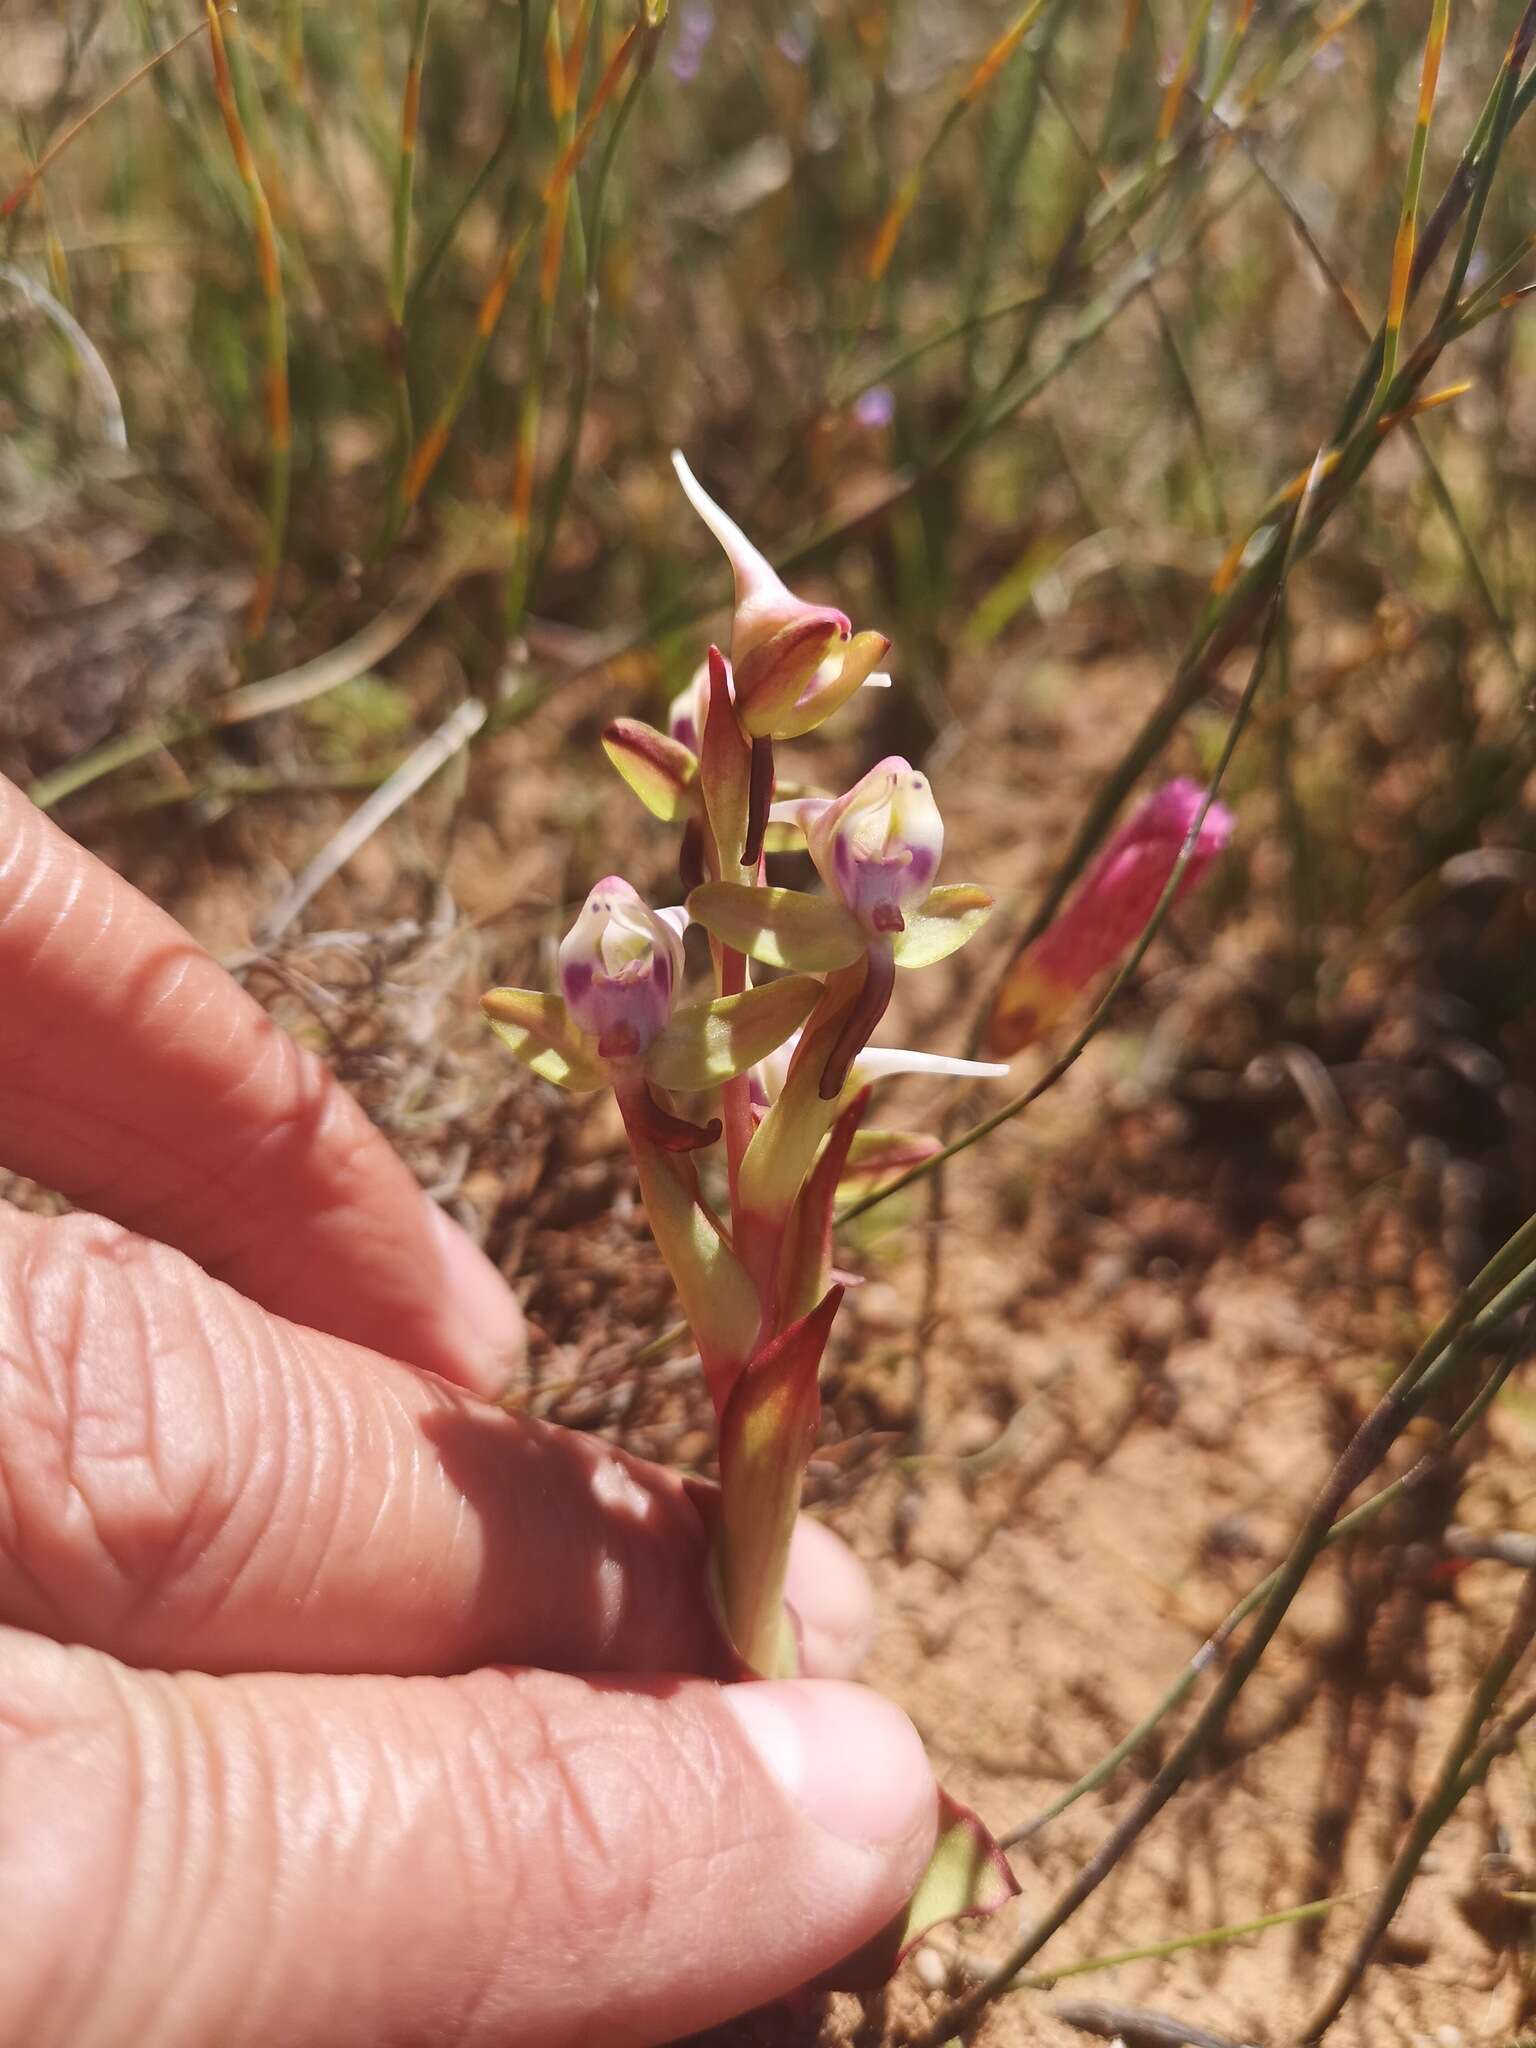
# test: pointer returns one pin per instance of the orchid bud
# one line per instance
(1109, 910)
(778, 641)
(877, 847)
(765, 606)
(620, 965)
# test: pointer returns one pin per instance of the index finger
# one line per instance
(139, 1080)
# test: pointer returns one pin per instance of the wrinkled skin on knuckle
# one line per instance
(605, 1839)
(68, 1862)
(116, 1382)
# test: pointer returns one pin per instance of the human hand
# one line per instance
(301, 1740)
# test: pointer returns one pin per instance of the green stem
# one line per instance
(1159, 1951)
(1403, 252)
(520, 575)
(1500, 115)
(586, 335)
(432, 262)
(400, 237)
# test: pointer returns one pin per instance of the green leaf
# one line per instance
(658, 769)
(767, 1434)
(876, 1155)
(967, 1878)
(860, 655)
(780, 927)
(717, 1296)
(783, 1148)
(706, 1043)
(942, 923)
(538, 1030)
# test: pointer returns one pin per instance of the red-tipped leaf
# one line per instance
(767, 1434)
(967, 1878)
(805, 1265)
(725, 773)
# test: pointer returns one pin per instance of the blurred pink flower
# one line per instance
(1108, 911)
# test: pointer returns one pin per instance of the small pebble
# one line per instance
(932, 1970)
(971, 1431)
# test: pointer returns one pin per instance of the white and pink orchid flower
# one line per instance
(621, 964)
(617, 1023)
(878, 846)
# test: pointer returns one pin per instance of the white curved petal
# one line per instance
(799, 811)
(878, 1062)
(756, 578)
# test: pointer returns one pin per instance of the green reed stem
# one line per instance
(293, 43)
(516, 121)
(586, 334)
(400, 235)
(562, 90)
(1159, 1951)
(1501, 117)
(276, 402)
(1407, 231)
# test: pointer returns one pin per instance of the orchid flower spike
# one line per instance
(616, 1022)
(1108, 912)
(793, 662)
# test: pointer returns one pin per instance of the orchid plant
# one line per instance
(744, 1109)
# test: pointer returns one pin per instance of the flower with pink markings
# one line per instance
(877, 847)
(620, 966)
(1109, 910)
(792, 663)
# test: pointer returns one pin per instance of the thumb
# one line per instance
(509, 1856)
